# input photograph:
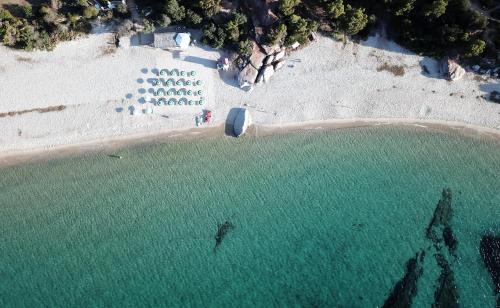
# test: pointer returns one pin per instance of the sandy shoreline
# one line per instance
(326, 84)
(112, 145)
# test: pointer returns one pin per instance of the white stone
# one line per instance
(268, 73)
(280, 55)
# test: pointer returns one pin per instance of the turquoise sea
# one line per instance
(325, 218)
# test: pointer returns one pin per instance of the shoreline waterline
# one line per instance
(116, 143)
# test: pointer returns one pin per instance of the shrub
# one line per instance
(90, 12)
(245, 48)
(476, 48)
(192, 18)
(276, 35)
(287, 7)
(175, 11)
(335, 9)
(354, 20)
(209, 7)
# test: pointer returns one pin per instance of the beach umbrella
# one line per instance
(149, 110)
(193, 73)
(147, 98)
(200, 92)
(163, 72)
(188, 82)
(182, 40)
(179, 82)
(189, 92)
(183, 73)
(199, 82)
(201, 101)
(190, 102)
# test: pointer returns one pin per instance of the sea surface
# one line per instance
(324, 218)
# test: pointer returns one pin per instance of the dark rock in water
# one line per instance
(446, 294)
(222, 230)
(442, 215)
(490, 252)
(405, 289)
(449, 239)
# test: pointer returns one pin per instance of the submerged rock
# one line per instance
(446, 294)
(222, 230)
(442, 215)
(490, 252)
(404, 290)
(449, 239)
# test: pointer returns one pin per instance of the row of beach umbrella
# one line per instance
(172, 92)
(179, 82)
(182, 101)
(177, 72)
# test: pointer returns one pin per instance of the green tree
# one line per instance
(437, 8)
(27, 11)
(27, 37)
(122, 8)
(174, 10)
(476, 48)
(90, 12)
(277, 35)
(233, 26)
(299, 29)
(214, 36)
(5, 15)
(335, 9)
(354, 20)
(401, 7)
(165, 21)
(209, 7)
(287, 7)
(192, 18)
(245, 48)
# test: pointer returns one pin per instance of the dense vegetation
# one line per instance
(432, 27)
(42, 27)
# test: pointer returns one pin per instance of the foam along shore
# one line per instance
(100, 86)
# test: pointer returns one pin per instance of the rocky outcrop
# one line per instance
(451, 69)
(446, 294)
(222, 230)
(262, 64)
(489, 249)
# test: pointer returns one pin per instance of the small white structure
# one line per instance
(295, 45)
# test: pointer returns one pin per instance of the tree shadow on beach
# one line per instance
(488, 88)
(201, 61)
(229, 77)
(430, 68)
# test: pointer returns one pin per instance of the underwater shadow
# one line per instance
(490, 90)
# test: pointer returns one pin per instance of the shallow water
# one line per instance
(324, 218)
